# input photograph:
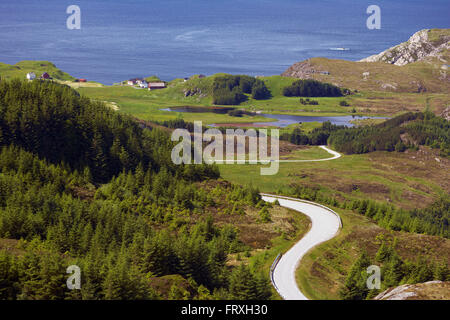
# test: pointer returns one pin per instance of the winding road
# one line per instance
(334, 153)
(325, 226)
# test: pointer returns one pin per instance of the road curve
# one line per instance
(325, 226)
(334, 153)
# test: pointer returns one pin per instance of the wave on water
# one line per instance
(189, 36)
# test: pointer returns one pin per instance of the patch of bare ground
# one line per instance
(331, 267)
(163, 285)
(374, 190)
(389, 105)
(412, 198)
(258, 235)
(252, 232)
(286, 148)
(83, 193)
(408, 245)
(424, 163)
(11, 246)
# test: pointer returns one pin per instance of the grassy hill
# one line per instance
(373, 76)
(418, 65)
(20, 70)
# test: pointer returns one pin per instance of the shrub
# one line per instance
(311, 88)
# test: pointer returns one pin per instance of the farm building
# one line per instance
(135, 81)
(156, 85)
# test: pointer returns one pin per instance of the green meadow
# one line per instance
(349, 177)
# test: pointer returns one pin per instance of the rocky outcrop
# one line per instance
(303, 70)
(419, 47)
(433, 290)
(446, 113)
(193, 92)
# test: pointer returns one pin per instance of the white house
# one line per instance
(143, 84)
(31, 76)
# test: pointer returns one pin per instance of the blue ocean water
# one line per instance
(121, 39)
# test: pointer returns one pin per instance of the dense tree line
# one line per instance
(420, 129)
(318, 136)
(415, 128)
(177, 124)
(232, 90)
(311, 88)
(123, 215)
(54, 122)
(395, 271)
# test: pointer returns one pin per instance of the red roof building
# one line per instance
(156, 85)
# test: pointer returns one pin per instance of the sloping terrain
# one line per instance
(419, 66)
(20, 70)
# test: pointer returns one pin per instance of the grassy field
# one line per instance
(147, 105)
(310, 153)
(409, 180)
(20, 70)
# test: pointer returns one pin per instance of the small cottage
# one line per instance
(31, 76)
(132, 82)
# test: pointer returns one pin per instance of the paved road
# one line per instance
(325, 226)
(334, 153)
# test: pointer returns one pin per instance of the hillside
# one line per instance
(81, 184)
(20, 70)
(425, 45)
(418, 65)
